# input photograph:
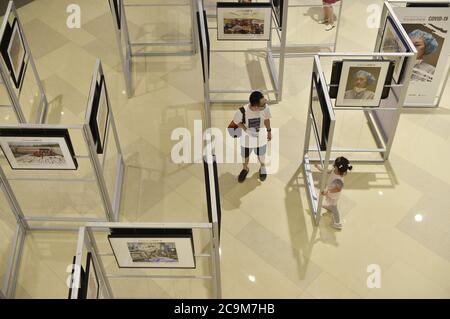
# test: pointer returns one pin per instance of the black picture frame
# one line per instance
(40, 133)
(427, 5)
(245, 6)
(217, 194)
(4, 48)
(336, 76)
(140, 233)
(278, 14)
(98, 135)
(89, 269)
(118, 12)
(208, 43)
(326, 118)
(81, 293)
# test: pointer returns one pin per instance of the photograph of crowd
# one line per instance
(153, 252)
(244, 21)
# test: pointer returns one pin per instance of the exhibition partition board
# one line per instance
(61, 163)
(123, 41)
(12, 235)
(157, 248)
(57, 154)
(226, 36)
(18, 71)
(319, 128)
(393, 39)
(427, 24)
(129, 48)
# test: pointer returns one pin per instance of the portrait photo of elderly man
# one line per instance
(426, 44)
(361, 80)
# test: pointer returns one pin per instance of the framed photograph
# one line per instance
(153, 248)
(208, 45)
(14, 52)
(393, 42)
(38, 149)
(321, 116)
(244, 21)
(100, 112)
(427, 25)
(277, 6)
(362, 83)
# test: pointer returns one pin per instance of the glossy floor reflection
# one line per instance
(270, 248)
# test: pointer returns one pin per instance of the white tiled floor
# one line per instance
(267, 230)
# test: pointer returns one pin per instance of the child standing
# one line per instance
(334, 188)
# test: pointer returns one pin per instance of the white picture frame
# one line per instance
(244, 21)
(368, 94)
(38, 152)
(153, 251)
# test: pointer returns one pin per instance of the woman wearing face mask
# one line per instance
(360, 92)
(425, 44)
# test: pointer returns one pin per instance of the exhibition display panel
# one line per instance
(146, 45)
(319, 128)
(110, 253)
(61, 164)
(427, 24)
(13, 227)
(21, 89)
(365, 84)
(373, 85)
(66, 155)
(240, 32)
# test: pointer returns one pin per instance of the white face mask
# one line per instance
(359, 90)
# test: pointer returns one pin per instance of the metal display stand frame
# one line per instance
(275, 77)
(315, 200)
(125, 44)
(87, 242)
(111, 205)
(13, 93)
(24, 223)
(8, 286)
(382, 120)
(443, 85)
(330, 46)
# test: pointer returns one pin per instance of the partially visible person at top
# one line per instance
(328, 14)
(334, 188)
(425, 44)
(256, 132)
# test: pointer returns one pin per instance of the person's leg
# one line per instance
(336, 217)
(326, 13)
(330, 14)
(329, 17)
(261, 152)
(245, 153)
